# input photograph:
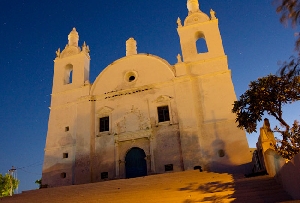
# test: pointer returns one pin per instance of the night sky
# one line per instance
(31, 31)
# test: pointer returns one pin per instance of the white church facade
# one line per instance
(142, 115)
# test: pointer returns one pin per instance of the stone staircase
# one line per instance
(181, 187)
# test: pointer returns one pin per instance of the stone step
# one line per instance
(187, 186)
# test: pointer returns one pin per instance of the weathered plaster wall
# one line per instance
(82, 170)
(289, 177)
(60, 141)
(104, 157)
(167, 148)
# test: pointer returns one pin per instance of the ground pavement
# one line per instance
(181, 187)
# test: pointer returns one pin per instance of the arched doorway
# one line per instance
(135, 163)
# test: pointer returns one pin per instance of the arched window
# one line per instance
(68, 79)
(201, 43)
(71, 76)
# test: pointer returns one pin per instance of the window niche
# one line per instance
(221, 153)
(198, 168)
(104, 124)
(67, 128)
(104, 175)
(103, 120)
(169, 167)
(65, 155)
(163, 114)
(63, 175)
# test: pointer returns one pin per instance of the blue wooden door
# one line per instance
(135, 164)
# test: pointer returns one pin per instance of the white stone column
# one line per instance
(117, 158)
(152, 165)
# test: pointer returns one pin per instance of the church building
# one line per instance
(142, 115)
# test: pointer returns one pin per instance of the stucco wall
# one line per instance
(167, 148)
(289, 177)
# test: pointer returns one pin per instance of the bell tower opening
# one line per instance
(68, 79)
(201, 43)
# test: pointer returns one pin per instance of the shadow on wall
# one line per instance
(228, 154)
(65, 172)
(212, 157)
(57, 175)
(221, 161)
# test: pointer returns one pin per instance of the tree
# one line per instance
(39, 182)
(291, 146)
(290, 12)
(268, 95)
(6, 182)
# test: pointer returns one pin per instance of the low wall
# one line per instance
(289, 177)
(273, 162)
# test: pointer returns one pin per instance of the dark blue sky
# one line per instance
(31, 31)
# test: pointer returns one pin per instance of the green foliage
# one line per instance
(5, 184)
(266, 95)
(39, 182)
(290, 146)
(290, 12)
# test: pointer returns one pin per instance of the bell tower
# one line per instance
(68, 120)
(72, 65)
(199, 27)
(204, 76)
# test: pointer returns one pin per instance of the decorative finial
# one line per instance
(179, 22)
(85, 48)
(179, 58)
(131, 48)
(58, 53)
(212, 14)
(193, 6)
(73, 38)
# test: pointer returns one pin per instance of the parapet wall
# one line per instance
(289, 177)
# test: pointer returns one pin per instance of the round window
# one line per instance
(130, 76)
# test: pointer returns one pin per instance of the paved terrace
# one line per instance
(181, 187)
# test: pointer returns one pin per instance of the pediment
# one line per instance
(104, 110)
(163, 98)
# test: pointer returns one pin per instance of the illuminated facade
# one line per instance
(143, 115)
